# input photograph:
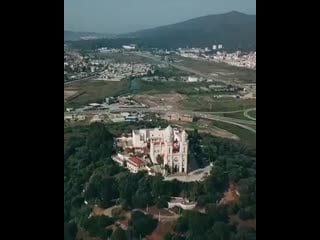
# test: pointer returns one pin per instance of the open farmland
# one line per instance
(93, 91)
(219, 70)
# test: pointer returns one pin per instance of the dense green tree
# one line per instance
(96, 225)
(143, 224)
(198, 223)
(162, 201)
(158, 186)
(119, 234)
(70, 231)
(127, 186)
(142, 196)
(182, 225)
(216, 213)
(221, 231)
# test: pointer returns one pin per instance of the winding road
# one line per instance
(246, 113)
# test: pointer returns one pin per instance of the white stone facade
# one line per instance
(166, 147)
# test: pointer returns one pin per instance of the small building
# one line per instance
(192, 79)
(135, 164)
(182, 203)
(131, 118)
(68, 117)
(178, 117)
(94, 104)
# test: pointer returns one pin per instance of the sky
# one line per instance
(122, 16)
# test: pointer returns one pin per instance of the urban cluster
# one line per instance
(238, 58)
(75, 66)
(118, 71)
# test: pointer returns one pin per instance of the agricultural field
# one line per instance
(209, 104)
(247, 138)
(68, 94)
(93, 91)
(220, 70)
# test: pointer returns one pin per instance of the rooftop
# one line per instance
(136, 160)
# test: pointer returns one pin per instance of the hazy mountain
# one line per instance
(75, 36)
(234, 30)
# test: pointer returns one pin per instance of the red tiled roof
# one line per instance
(136, 160)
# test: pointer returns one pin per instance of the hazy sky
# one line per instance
(118, 16)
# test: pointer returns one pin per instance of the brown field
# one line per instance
(168, 101)
(69, 93)
(205, 126)
(176, 101)
(93, 91)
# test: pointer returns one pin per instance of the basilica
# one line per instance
(166, 147)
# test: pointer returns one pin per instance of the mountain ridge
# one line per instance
(232, 29)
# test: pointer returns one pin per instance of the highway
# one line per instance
(161, 110)
(231, 121)
(237, 122)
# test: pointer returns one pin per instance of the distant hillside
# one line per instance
(76, 36)
(234, 30)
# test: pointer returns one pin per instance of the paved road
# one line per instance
(232, 122)
(246, 113)
(236, 111)
(217, 118)
(197, 175)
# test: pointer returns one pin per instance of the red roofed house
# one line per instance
(135, 164)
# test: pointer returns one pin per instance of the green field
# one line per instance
(94, 91)
(138, 86)
(246, 137)
(237, 115)
(252, 114)
(209, 104)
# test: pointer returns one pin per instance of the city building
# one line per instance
(192, 79)
(178, 117)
